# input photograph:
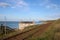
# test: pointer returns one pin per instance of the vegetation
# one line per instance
(30, 27)
(6, 32)
(52, 33)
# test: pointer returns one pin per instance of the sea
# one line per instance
(13, 24)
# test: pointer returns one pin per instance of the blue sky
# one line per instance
(16, 10)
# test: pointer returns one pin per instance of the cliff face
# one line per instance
(22, 25)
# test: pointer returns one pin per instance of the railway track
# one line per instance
(27, 34)
(38, 33)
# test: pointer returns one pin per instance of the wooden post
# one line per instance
(5, 25)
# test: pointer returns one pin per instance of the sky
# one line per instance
(18, 10)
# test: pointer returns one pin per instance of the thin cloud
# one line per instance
(48, 4)
(53, 6)
(21, 4)
(14, 3)
(3, 4)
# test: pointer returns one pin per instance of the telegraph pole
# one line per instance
(5, 25)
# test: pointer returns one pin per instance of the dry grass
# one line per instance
(52, 33)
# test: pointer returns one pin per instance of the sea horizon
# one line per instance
(14, 24)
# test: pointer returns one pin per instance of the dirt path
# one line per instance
(33, 32)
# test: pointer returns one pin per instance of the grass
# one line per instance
(30, 27)
(12, 33)
(52, 33)
(9, 32)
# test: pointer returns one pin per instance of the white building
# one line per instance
(24, 24)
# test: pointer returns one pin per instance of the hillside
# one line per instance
(52, 33)
(29, 33)
(48, 31)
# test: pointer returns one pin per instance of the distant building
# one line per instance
(24, 24)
